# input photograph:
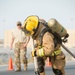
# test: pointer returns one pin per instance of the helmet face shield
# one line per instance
(27, 33)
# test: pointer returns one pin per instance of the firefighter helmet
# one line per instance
(30, 25)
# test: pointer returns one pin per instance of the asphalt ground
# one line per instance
(70, 70)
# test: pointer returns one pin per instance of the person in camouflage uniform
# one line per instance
(19, 42)
(33, 26)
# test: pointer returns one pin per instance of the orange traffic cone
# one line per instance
(48, 62)
(10, 64)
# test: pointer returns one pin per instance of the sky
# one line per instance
(12, 11)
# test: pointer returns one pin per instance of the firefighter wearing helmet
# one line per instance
(33, 26)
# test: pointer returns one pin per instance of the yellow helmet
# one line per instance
(30, 25)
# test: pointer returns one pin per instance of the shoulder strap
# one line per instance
(42, 34)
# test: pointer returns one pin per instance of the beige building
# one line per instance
(7, 38)
(71, 38)
(70, 43)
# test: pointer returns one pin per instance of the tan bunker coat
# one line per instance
(57, 60)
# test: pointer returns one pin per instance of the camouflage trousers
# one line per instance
(20, 55)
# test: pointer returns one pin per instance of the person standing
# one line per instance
(45, 46)
(19, 43)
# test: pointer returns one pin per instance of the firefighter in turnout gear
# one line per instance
(45, 46)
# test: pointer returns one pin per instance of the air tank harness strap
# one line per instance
(57, 52)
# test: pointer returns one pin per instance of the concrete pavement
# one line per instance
(70, 70)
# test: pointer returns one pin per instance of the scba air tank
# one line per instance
(56, 27)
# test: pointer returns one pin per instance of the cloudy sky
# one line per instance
(12, 11)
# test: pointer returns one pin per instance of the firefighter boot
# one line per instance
(43, 73)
